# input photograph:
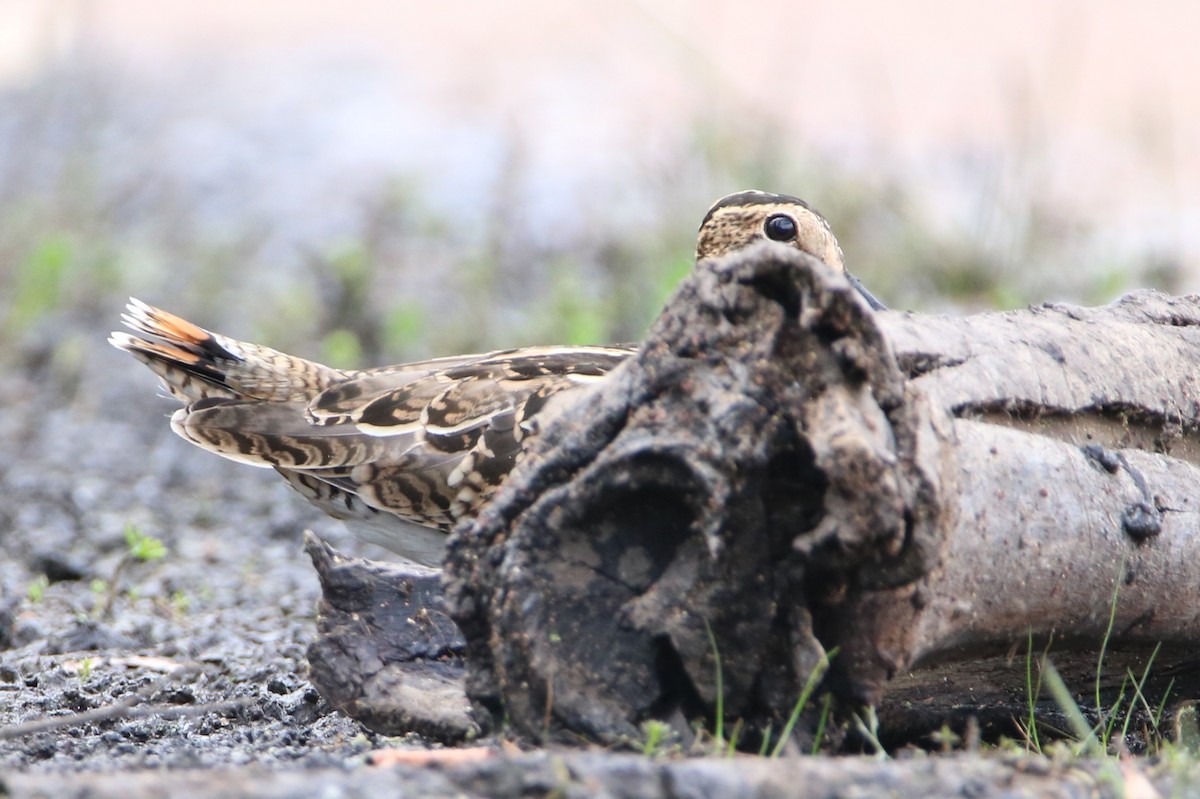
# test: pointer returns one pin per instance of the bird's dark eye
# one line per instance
(780, 227)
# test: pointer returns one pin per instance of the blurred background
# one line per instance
(370, 181)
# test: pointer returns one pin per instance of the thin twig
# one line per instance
(129, 708)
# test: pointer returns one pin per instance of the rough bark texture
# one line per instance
(1074, 437)
(387, 653)
(780, 471)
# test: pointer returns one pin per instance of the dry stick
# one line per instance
(125, 709)
(128, 708)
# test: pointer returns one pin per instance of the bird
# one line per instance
(739, 220)
(403, 453)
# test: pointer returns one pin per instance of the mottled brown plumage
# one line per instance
(402, 453)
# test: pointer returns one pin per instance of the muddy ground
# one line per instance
(225, 615)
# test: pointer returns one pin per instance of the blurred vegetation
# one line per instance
(90, 213)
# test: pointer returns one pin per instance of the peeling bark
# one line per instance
(781, 471)
(386, 652)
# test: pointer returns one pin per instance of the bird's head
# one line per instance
(741, 219)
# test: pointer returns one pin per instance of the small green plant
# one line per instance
(39, 281)
(181, 603)
(1087, 742)
(728, 746)
(1112, 620)
(868, 727)
(946, 738)
(720, 744)
(139, 547)
(342, 347)
(85, 670)
(1187, 729)
(1155, 714)
(810, 685)
(37, 588)
(1104, 736)
(1033, 689)
(822, 722)
(404, 325)
(655, 735)
(735, 735)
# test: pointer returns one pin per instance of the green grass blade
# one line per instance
(810, 685)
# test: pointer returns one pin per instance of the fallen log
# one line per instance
(781, 471)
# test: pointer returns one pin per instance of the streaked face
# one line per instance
(741, 219)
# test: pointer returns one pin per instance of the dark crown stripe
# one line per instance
(753, 197)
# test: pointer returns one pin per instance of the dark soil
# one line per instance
(226, 615)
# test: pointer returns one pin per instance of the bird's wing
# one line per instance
(427, 449)
(394, 394)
